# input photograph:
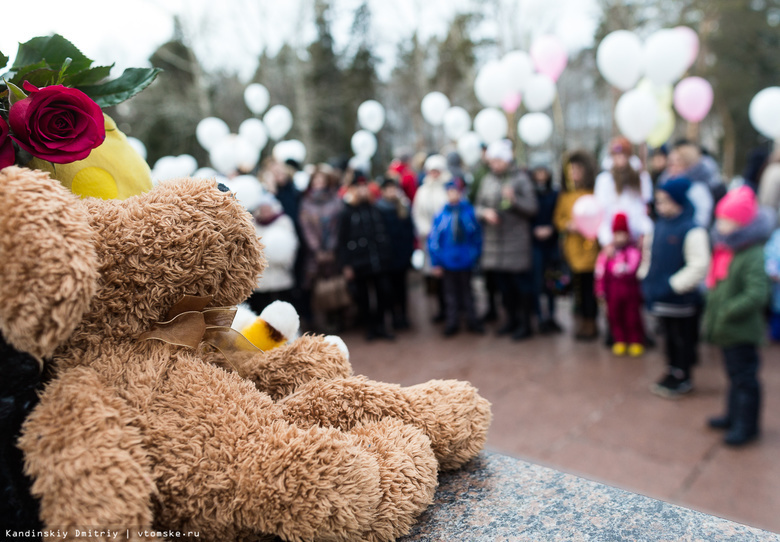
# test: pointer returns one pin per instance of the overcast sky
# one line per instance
(231, 33)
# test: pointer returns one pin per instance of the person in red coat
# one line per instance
(617, 283)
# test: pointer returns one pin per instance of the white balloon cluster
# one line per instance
(644, 112)
(229, 152)
(521, 78)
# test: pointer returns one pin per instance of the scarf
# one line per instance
(719, 266)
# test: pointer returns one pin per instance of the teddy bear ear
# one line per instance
(48, 263)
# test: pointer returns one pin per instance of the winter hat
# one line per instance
(500, 150)
(620, 223)
(677, 189)
(436, 162)
(454, 184)
(620, 145)
(739, 205)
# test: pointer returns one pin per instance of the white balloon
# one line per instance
(223, 156)
(371, 116)
(518, 69)
(256, 98)
(247, 155)
(535, 128)
(636, 114)
(138, 146)
(456, 122)
(247, 189)
(491, 125)
(278, 120)
(433, 107)
(492, 84)
(764, 112)
(301, 180)
(206, 173)
(290, 150)
(619, 59)
(666, 55)
(470, 148)
(253, 130)
(363, 163)
(211, 131)
(165, 168)
(186, 164)
(539, 93)
(364, 143)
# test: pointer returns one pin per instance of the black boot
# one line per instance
(744, 419)
(509, 327)
(523, 330)
(719, 422)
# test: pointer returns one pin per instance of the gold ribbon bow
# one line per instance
(190, 323)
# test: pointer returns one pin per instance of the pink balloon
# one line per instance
(549, 56)
(693, 98)
(692, 39)
(511, 102)
(587, 214)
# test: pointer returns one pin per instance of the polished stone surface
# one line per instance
(500, 499)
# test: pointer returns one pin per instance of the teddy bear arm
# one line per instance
(450, 412)
(85, 458)
(281, 371)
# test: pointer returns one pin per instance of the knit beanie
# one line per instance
(739, 205)
(620, 223)
(677, 189)
(500, 150)
(435, 162)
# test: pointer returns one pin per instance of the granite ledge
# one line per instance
(501, 499)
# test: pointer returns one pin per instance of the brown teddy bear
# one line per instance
(145, 433)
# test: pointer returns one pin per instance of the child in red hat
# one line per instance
(617, 284)
(734, 314)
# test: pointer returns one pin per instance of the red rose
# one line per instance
(57, 123)
(6, 146)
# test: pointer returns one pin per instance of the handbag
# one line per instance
(331, 293)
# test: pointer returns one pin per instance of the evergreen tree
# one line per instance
(325, 86)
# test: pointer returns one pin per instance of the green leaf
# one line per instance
(53, 50)
(40, 77)
(3, 60)
(91, 76)
(130, 83)
(15, 93)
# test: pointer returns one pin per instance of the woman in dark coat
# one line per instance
(364, 252)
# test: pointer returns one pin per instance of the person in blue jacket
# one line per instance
(455, 245)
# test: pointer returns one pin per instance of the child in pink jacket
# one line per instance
(616, 282)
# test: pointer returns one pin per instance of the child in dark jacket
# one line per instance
(455, 245)
(734, 314)
(617, 284)
(675, 260)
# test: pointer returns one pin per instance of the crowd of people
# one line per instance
(677, 253)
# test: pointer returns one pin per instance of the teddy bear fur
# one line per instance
(151, 435)
(47, 285)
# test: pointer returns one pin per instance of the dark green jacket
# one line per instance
(734, 313)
